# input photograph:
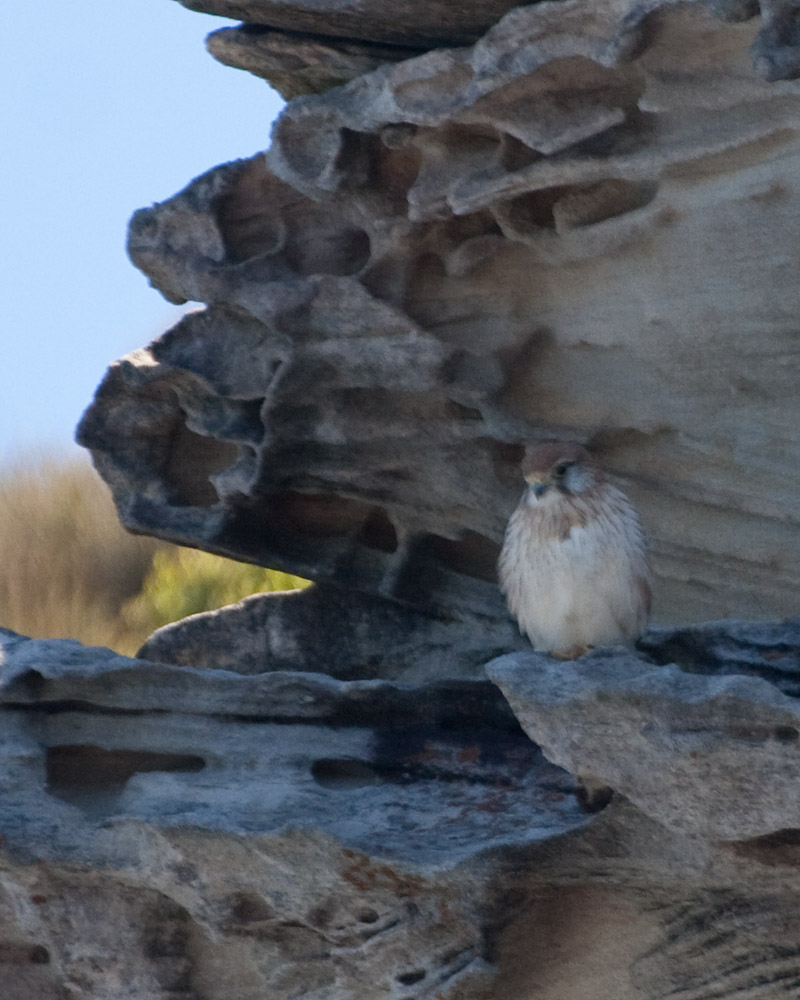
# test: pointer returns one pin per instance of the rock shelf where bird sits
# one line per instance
(307, 819)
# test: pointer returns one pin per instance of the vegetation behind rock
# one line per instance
(70, 570)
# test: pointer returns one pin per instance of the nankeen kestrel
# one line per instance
(573, 566)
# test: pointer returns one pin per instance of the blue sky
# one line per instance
(106, 107)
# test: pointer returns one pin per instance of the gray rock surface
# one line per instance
(346, 635)
(176, 832)
(712, 752)
(401, 771)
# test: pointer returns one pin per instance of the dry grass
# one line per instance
(66, 564)
(69, 570)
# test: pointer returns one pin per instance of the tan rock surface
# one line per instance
(584, 225)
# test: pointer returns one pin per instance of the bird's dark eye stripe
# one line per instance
(561, 468)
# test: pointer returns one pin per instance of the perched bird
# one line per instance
(573, 566)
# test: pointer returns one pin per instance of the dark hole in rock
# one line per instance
(320, 916)
(460, 412)
(627, 136)
(786, 734)
(28, 687)
(276, 531)
(395, 170)
(514, 154)
(533, 212)
(92, 778)
(378, 532)
(368, 917)
(474, 375)
(684, 648)
(166, 935)
(781, 838)
(409, 978)
(507, 458)
(484, 756)
(293, 524)
(246, 213)
(247, 908)
(23, 952)
(594, 798)
(340, 252)
(776, 850)
(472, 554)
(245, 421)
(192, 459)
(344, 772)
(317, 514)
(358, 153)
(385, 278)
(462, 228)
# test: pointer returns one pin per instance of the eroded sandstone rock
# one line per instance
(298, 64)
(711, 749)
(583, 225)
(572, 219)
(181, 832)
(343, 634)
(408, 22)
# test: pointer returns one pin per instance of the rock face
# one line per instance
(411, 23)
(711, 754)
(344, 635)
(474, 228)
(278, 835)
(182, 832)
(582, 225)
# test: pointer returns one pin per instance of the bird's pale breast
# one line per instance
(576, 576)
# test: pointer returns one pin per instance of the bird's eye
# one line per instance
(561, 469)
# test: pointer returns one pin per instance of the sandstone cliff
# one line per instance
(575, 219)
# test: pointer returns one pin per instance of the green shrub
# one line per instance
(186, 581)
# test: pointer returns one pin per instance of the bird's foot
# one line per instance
(570, 654)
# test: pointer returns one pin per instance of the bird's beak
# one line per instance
(537, 485)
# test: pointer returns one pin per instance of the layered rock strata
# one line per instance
(581, 225)
(574, 219)
(182, 832)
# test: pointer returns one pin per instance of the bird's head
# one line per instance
(555, 469)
